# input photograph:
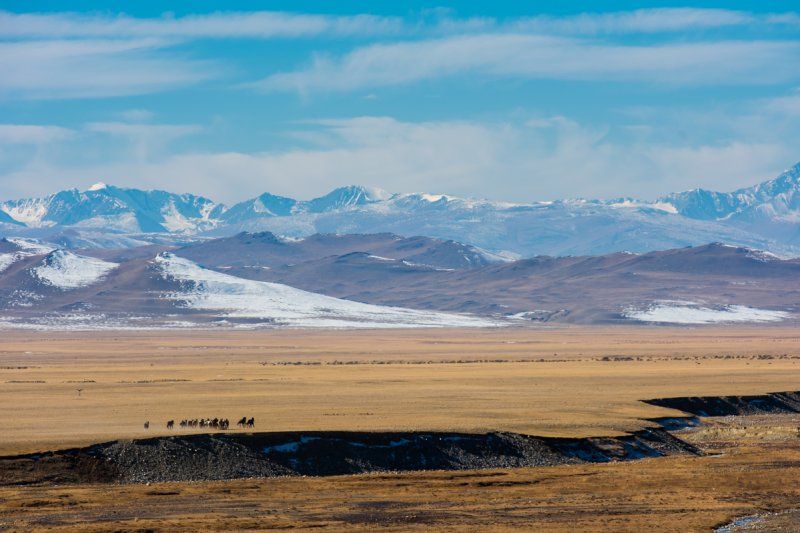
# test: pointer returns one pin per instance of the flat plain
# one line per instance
(61, 390)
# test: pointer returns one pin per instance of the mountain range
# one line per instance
(256, 280)
(765, 216)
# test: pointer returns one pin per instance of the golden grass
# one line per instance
(556, 382)
(680, 494)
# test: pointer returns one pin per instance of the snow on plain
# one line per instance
(672, 312)
(65, 270)
(284, 305)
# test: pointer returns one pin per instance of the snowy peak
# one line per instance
(344, 197)
(266, 205)
(777, 198)
(5, 218)
(765, 216)
(118, 209)
(269, 205)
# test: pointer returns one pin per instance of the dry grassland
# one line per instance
(754, 474)
(550, 382)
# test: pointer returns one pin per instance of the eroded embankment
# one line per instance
(773, 402)
(220, 456)
(230, 455)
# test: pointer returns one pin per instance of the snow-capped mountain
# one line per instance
(146, 288)
(568, 227)
(40, 287)
(117, 209)
(64, 270)
(232, 297)
(5, 218)
(14, 250)
(765, 216)
(269, 205)
(777, 199)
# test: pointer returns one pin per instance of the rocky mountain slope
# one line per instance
(765, 216)
(259, 280)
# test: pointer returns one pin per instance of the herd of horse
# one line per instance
(211, 423)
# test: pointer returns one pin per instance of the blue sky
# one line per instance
(499, 100)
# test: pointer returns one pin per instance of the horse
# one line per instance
(147, 424)
(251, 423)
(241, 423)
(170, 424)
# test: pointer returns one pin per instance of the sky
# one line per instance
(517, 101)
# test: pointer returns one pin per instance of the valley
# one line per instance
(62, 390)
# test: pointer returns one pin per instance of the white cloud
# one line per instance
(259, 24)
(72, 55)
(136, 115)
(93, 68)
(160, 131)
(31, 134)
(547, 158)
(544, 57)
(145, 139)
(641, 21)
(788, 106)
(725, 167)
(272, 24)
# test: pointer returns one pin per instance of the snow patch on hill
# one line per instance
(674, 312)
(65, 270)
(27, 248)
(283, 305)
(31, 246)
(6, 260)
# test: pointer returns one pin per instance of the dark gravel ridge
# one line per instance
(773, 402)
(236, 455)
(220, 456)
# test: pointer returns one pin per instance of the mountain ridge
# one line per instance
(765, 216)
(198, 286)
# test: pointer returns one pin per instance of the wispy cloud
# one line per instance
(145, 140)
(643, 21)
(32, 134)
(162, 131)
(73, 55)
(788, 106)
(136, 115)
(544, 57)
(94, 68)
(258, 25)
(539, 159)
(274, 24)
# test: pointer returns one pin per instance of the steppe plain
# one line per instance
(61, 390)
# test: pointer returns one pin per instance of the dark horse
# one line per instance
(170, 424)
(241, 423)
(251, 423)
